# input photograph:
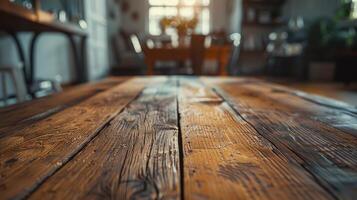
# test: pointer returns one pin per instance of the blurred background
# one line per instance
(49, 46)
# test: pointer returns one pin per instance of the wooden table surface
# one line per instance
(179, 138)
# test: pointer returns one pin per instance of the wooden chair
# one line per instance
(129, 62)
(197, 48)
(18, 81)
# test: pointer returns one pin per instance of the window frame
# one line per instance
(181, 6)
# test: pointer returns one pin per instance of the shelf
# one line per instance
(253, 52)
(253, 28)
(270, 24)
(255, 12)
(263, 3)
(346, 52)
(16, 18)
(18, 11)
(347, 23)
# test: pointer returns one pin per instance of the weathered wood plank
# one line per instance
(328, 153)
(29, 112)
(135, 157)
(336, 113)
(331, 112)
(225, 158)
(323, 101)
(32, 154)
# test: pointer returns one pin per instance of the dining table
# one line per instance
(218, 53)
(179, 137)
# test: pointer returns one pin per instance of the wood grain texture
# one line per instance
(332, 112)
(135, 157)
(34, 153)
(328, 111)
(326, 152)
(335, 113)
(29, 112)
(225, 157)
(183, 138)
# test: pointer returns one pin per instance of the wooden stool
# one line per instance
(18, 80)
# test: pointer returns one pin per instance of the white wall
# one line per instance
(219, 15)
(114, 22)
(97, 46)
(236, 16)
(53, 55)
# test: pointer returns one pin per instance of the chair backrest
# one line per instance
(18, 80)
(233, 62)
(197, 53)
(126, 40)
(134, 39)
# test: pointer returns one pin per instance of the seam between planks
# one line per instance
(180, 142)
(228, 101)
(79, 149)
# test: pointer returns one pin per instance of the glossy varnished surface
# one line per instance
(179, 138)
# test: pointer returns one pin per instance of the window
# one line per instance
(184, 8)
(354, 9)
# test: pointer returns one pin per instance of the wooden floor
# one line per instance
(179, 138)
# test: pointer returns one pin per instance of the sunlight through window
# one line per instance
(354, 9)
(184, 8)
